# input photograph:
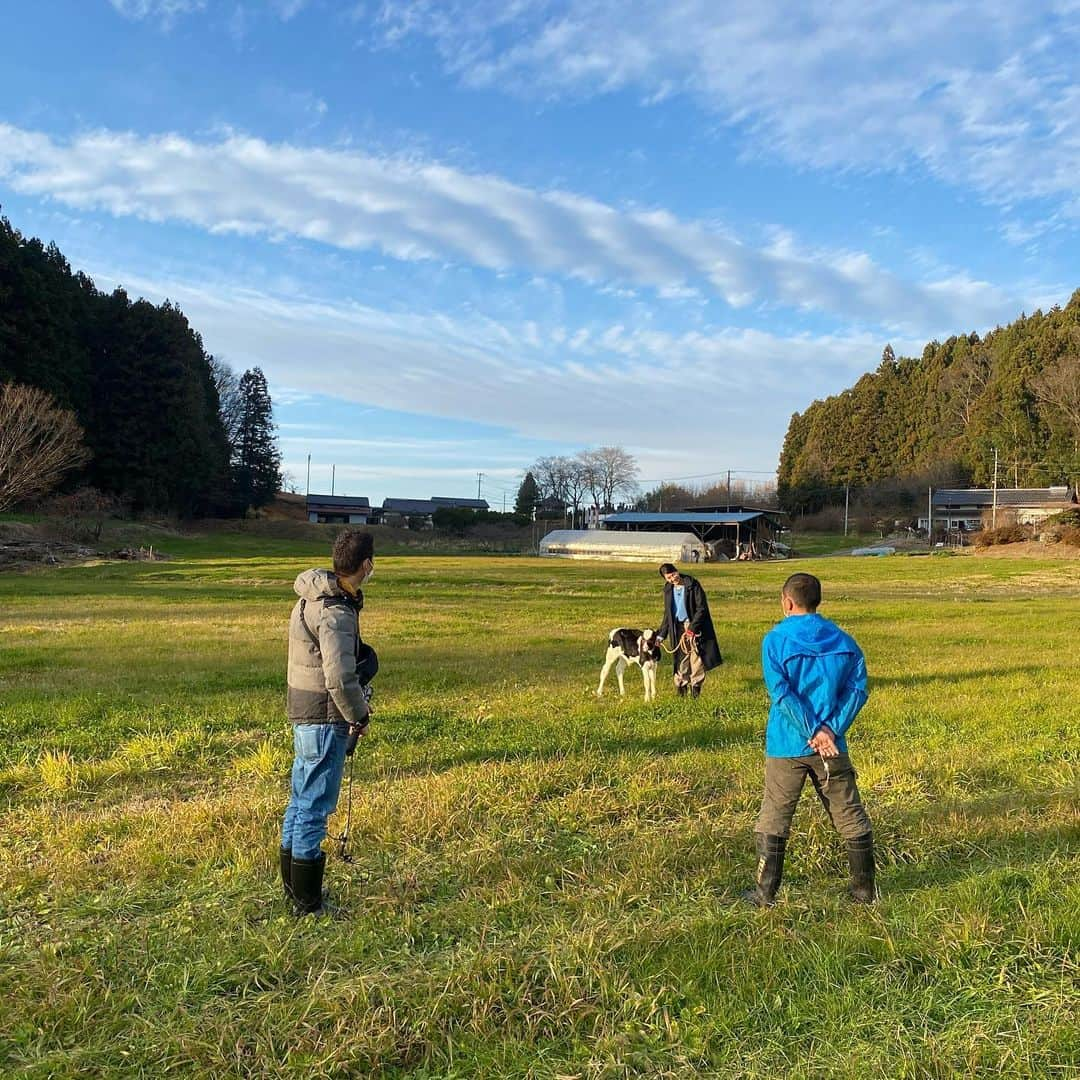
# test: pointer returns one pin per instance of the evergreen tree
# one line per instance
(528, 496)
(257, 461)
(136, 376)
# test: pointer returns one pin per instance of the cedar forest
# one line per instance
(939, 418)
(169, 428)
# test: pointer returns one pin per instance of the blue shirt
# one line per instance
(678, 593)
(816, 675)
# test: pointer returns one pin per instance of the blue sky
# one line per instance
(459, 236)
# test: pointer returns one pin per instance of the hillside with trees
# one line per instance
(165, 426)
(939, 418)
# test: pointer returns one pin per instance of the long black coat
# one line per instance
(697, 608)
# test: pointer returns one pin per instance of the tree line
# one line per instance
(1012, 397)
(160, 423)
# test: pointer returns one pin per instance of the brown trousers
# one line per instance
(689, 670)
(834, 782)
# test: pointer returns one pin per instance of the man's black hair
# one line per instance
(804, 590)
(351, 548)
(668, 568)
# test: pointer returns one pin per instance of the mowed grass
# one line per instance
(543, 884)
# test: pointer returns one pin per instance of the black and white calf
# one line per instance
(627, 646)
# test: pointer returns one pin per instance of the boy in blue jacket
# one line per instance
(816, 677)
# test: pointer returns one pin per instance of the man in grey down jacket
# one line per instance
(326, 701)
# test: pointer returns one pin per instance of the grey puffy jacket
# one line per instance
(324, 643)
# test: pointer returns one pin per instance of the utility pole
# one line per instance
(308, 491)
(847, 500)
(729, 489)
(333, 471)
(930, 519)
(479, 478)
(993, 512)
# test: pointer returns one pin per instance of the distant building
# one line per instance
(971, 509)
(460, 504)
(400, 511)
(733, 534)
(338, 510)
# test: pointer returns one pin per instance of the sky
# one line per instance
(461, 236)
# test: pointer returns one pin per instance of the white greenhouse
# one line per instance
(658, 547)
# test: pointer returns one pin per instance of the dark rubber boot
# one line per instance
(307, 879)
(681, 690)
(770, 869)
(286, 872)
(695, 691)
(860, 853)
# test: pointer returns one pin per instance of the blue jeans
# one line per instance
(318, 765)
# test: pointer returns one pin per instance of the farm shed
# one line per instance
(733, 534)
(338, 510)
(655, 547)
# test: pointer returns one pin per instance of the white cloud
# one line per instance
(164, 11)
(289, 9)
(981, 94)
(167, 11)
(416, 210)
(614, 385)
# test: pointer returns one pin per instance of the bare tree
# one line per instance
(611, 471)
(576, 482)
(1058, 385)
(39, 442)
(965, 380)
(550, 476)
(230, 402)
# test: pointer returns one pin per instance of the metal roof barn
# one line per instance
(729, 533)
(654, 547)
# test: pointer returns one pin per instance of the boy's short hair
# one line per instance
(804, 590)
(668, 568)
(351, 548)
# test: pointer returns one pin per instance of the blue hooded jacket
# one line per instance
(816, 675)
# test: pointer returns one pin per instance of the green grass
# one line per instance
(830, 543)
(544, 884)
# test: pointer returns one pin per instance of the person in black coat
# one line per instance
(687, 628)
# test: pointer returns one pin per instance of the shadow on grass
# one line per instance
(712, 734)
(955, 676)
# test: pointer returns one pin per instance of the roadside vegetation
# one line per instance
(543, 884)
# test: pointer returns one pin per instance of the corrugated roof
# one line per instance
(984, 497)
(677, 517)
(466, 504)
(734, 509)
(339, 501)
(410, 506)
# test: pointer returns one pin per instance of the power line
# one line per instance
(705, 476)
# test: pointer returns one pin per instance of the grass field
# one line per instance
(544, 885)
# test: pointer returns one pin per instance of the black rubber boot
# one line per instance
(681, 689)
(307, 878)
(770, 869)
(286, 872)
(695, 691)
(860, 853)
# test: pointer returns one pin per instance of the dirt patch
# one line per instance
(28, 552)
(26, 547)
(1028, 549)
